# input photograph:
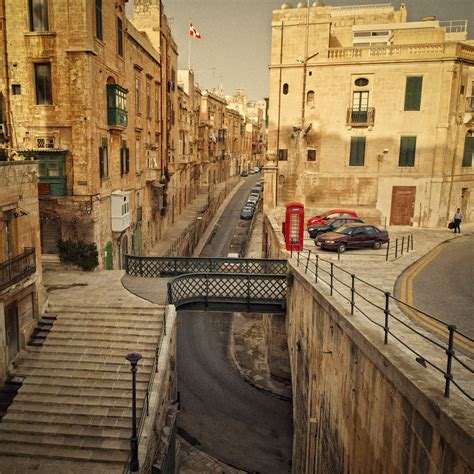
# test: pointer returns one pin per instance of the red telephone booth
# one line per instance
(293, 227)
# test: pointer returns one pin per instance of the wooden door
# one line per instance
(403, 205)
(11, 330)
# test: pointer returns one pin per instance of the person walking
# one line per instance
(458, 217)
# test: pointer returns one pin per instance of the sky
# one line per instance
(234, 50)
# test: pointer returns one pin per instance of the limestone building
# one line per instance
(371, 112)
(21, 290)
(93, 100)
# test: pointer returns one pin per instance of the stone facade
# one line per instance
(22, 294)
(371, 112)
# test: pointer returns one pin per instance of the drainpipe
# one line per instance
(6, 72)
(279, 115)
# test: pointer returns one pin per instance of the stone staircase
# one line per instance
(75, 400)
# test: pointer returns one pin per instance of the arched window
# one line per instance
(285, 88)
(310, 97)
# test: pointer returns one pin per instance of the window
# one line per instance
(468, 149)
(407, 151)
(360, 101)
(148, 100)
(38, 10)
(157, 102)
(357, 156)
(16, 89)
(103, 159)
(117, 105)
(43, 84)
(361, 82)
(137, 94)
(98, 19)
(119, 37)
(124, 158)
(413, 93)
(285, 89)
(310, 97)
(311, 155)
(282, 155)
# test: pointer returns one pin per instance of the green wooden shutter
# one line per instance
(468, 151)
(407, 151)
(357, 151)
(101, 162)
(122, 161)
(127, 160)
(413, 93)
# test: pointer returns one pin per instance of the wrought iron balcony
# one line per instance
(17, 268)
(361, 118)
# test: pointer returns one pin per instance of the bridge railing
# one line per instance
(444, 348)
(227, 288)
(156, 267)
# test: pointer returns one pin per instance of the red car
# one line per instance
(321, 218)
(353, 236)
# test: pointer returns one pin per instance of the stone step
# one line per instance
(58, 390)
(57, 309)
(81, 329)
(36, 408)
(126, 346)
(83, 358)
(66, 430)
(73, 441)
(67, 420)
(84, 375)
(62, 452)
(109, 337)
(110, 324)
(83, 401)
(77, 384)
(100, 351)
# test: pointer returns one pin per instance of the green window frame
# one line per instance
(357, 154)
(407, 151)
(119, 36)
(468, 149)
(413, 90)
(117, 105)
(98, 20)
(103, 159)
(39, 17)
(43, 85)
(124, 158)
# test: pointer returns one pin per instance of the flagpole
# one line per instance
(189, 46)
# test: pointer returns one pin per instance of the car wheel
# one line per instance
(341, 248)
(377, 244)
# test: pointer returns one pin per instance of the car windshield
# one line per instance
(345, 229)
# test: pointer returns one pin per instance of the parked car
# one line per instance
(253, 198)
(246, 213)
(331, 225)
(323, 217)
(252, 171)
(255, 191)
(353, 236)
(244, 174)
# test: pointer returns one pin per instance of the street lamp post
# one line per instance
(133, 358)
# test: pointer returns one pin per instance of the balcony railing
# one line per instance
(470, 104)
(361, 118)
(17, 268)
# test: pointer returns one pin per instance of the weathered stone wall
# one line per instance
(356, 405)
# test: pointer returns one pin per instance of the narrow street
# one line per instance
(221, 413)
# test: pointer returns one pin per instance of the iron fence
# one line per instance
(364, 297)
(225, 288)
(15, 269)
(156, 267)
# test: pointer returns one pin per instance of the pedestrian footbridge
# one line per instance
(218, 284)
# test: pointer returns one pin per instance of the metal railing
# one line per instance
(382, 309)
(156, 267)
(17, 268)
(227, 288)
(361, 117)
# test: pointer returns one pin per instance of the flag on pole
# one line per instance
(193, 31)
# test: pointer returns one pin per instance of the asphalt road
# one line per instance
(221, 413)
(445, 287)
